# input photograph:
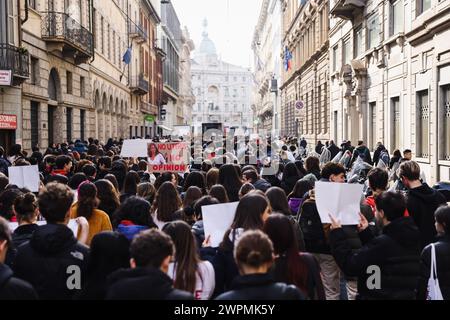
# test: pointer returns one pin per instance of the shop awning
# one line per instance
(164, 127)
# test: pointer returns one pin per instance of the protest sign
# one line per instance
(217, 219)
(172, 157)
(134, 148)
(341, 200)
(25, 177)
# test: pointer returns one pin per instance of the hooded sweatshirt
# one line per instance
(12, 288)
(422, 202)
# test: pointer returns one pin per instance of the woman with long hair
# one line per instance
(86, 207)
(109, 252)
(154, 156)
(292, 266)
(229, 178)
(218, 191)
(108, 196)
(290, 177)
(191, 196)
(132, 217)
(251, 212)
(296, 197)
(146, 191)
(166, 205)
(197, 179)
(130, 185)
(112, 178)
(312, 165)
(188, 271)
(212, 177)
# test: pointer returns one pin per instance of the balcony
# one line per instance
(65, 34)
(136, 32)
(15, 60)
(148, 108)
(139, 85)
(346, 9)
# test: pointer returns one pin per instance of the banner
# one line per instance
(168, 157)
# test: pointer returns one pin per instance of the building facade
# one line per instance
(222, 91)
(305, 87)
(390, 80)
(267, 65)
(187, 98)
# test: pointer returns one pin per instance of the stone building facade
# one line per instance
(390, 66)
(187, 98)
(305, 86)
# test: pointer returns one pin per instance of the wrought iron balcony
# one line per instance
(15, 60)
(148, 108)
(68, 35)
(346, 9)
(139, 85)
(136, 32)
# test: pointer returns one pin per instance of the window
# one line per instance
(226, 107)
(358, 39)
(422, 6)
(35, 71)
(34, 123)
(234, 78)
(114, 47)
(395, 123)
(243, 91)
(346, 52)
(199, 77)
(11, 25)
(227, 92)
(373, 30)
(82, 87)
(69, 123)
(102, 35)
(82, 123)
(396, 24)
(445, 103)
(69, 82)
(32, 4)
(422, 127)
(235, 107)
(335, 53)
(108, 42)
(244, 79)
(226, 78)
(372, 124)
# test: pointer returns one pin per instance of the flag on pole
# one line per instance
(127, 56)
(287, 59)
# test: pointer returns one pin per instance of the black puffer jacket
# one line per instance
(45, 260)
(12, 288)
(288, 184)
(21, 235)
(143, 284)
(422, 202)
(312, 228)
(260, 287)
(396, 252)
(442, 248)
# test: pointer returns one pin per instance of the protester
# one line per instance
(290, 177)
(63, 166)
(212, 177)
(109, 253)
(229, 178)
(292, 266)
(196, 179)
(297, 196)
(108, 197)
(218, 191)
(246, 188)
(442, 252)
(132, 217)
(7, 199)
(104, 166)
(251, 176)
(362, 152)
(151, 252)
(319, 147)
(166, 205)
(334, 149)
(312, 166)
(188, 271)
(254, 257)
(53, 248)
(193, 193)
(147, 191)
(130, 185)
(396, 158)
(86, 207)
(422, 201)
(395, 253)
(11, 288)
(197, 228)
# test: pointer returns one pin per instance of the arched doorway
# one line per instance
(54, 126)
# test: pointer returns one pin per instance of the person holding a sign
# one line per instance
(154, 156)
(387, 266)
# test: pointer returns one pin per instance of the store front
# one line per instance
(8, 126)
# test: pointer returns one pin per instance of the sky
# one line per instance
(231, 24)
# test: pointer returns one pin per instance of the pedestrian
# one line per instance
(254, 257)
(396, 158)
(187, 270)
(362, 152)
(246, 188)
(132, 217)
(151, 252)
(298, 194)
(196, 179)
(212, 177)
(63, 166)
(230, 179)
(334, 149)
(218, 191)
(198, 228)
(7, 199)
(130, 185)
(312, 166)
(108, 197)
(290, 177)
(53, 248)
(86, 207)
(104, 166)
(292, 266)
(251, 176)
(193, 193)
(395, 253)
(422, 201)
(442, 257)
(146, 191)
(166, 205)
(319, 147)
(109, 253)
(11, 288)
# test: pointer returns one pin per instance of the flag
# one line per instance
(127, 56)
(287, 59)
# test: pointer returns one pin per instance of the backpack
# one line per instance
(384, 155)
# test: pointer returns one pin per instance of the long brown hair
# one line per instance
(167, 202)
(186, 256)
(87, 200)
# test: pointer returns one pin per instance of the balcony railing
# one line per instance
(346, 9)
(137, 32)
(16, 60)
(148, 108)
(78, 41)
(139, 85)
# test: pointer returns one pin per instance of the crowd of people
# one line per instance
(106, 227)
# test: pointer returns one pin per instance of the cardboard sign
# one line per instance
(168, 157)
(217, 219)
(134, 148)
(25, 177)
